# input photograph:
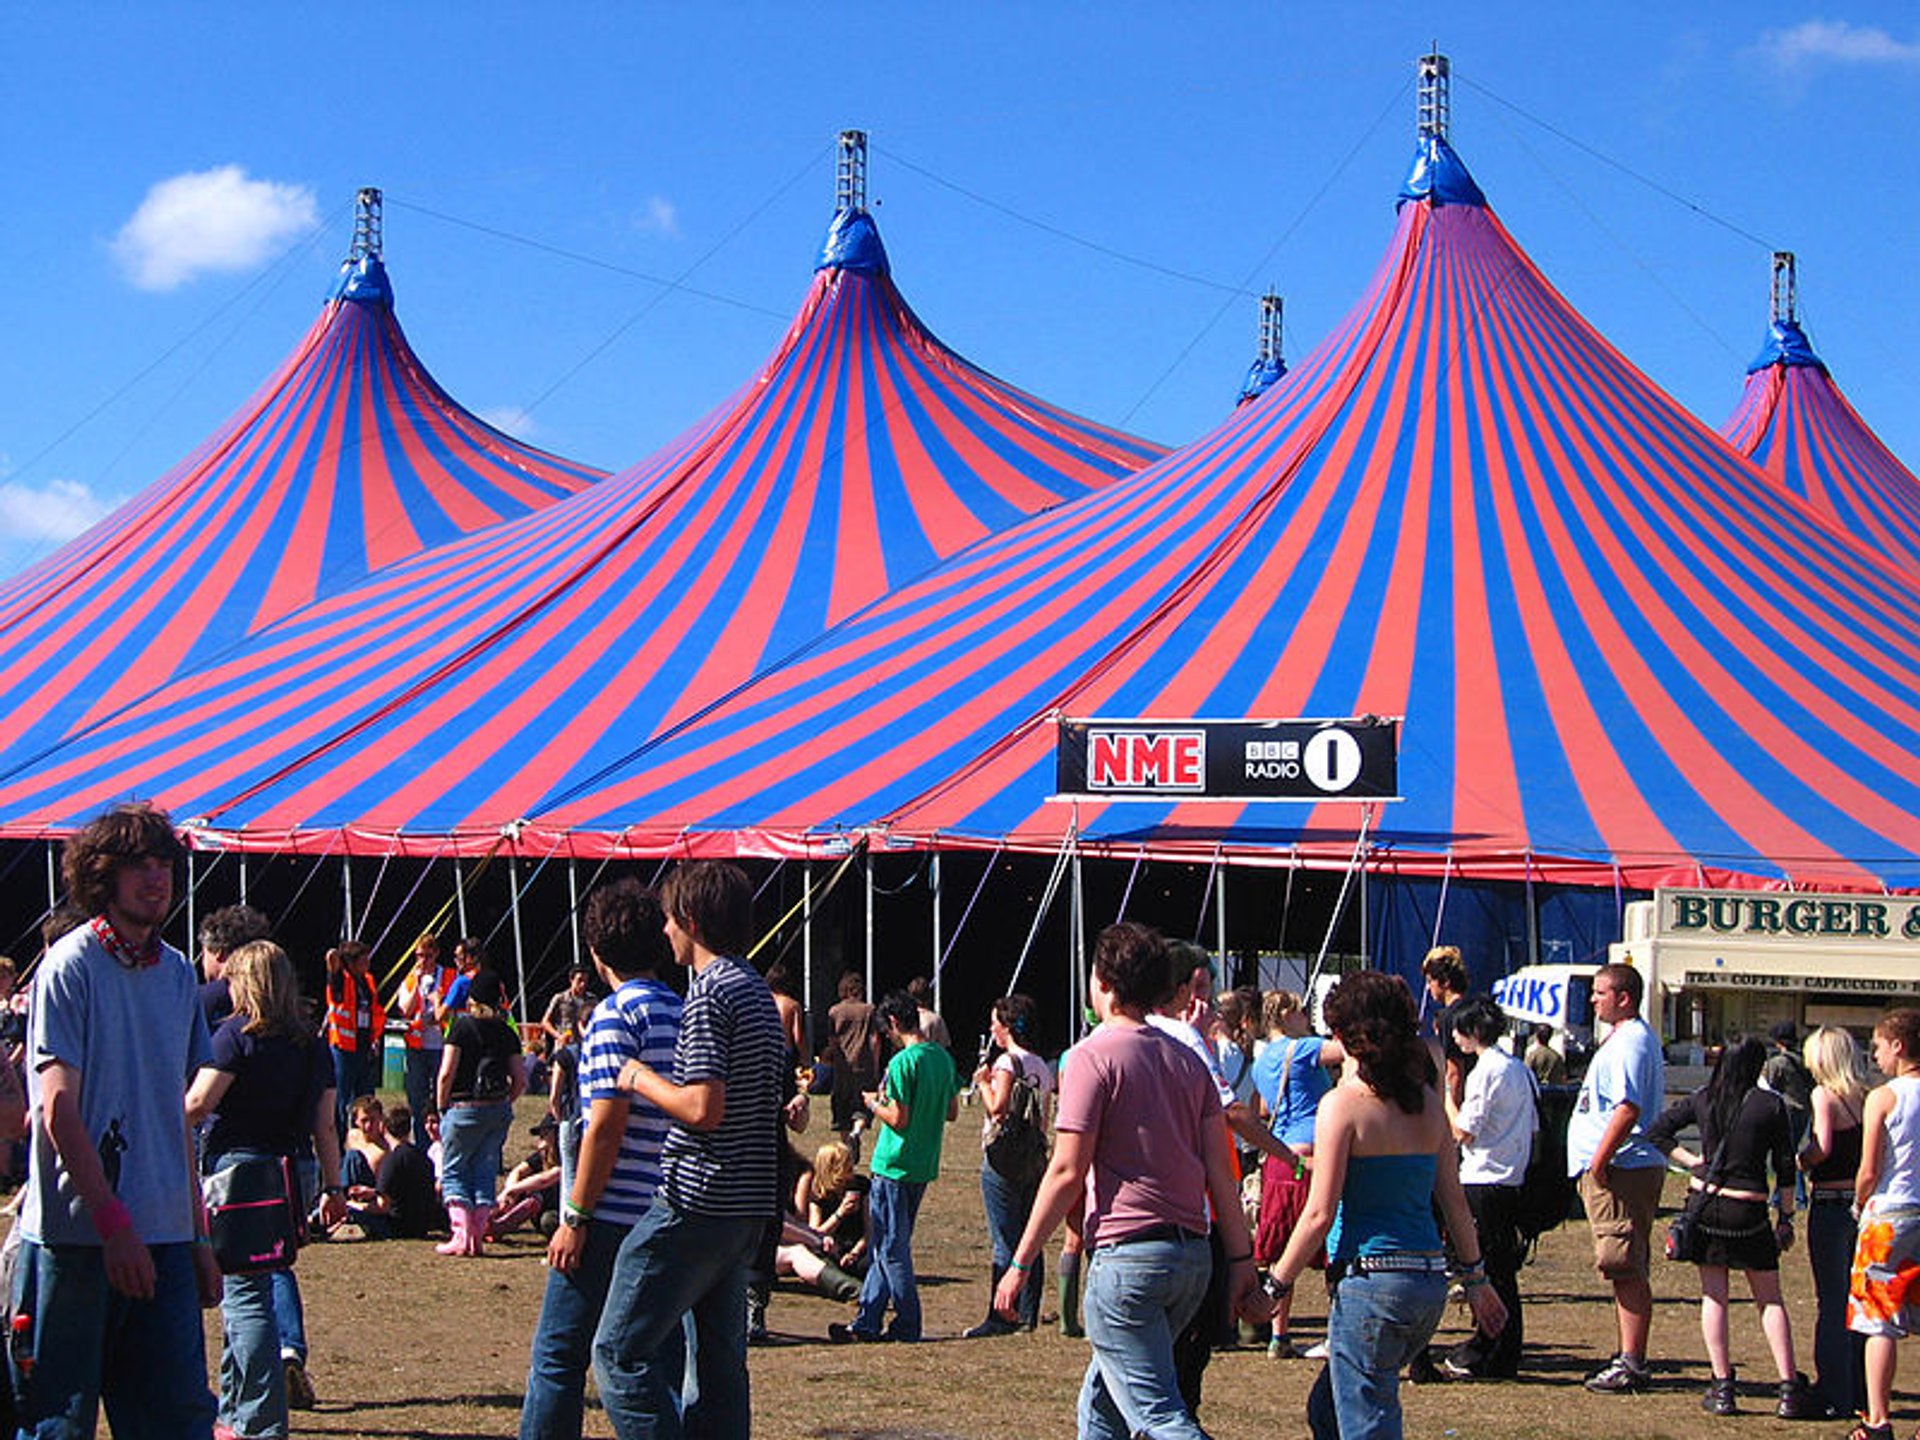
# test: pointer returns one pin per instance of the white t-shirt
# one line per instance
(1497, 1109)
(1032, 1069)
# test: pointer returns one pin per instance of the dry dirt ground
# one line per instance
(406, 1343)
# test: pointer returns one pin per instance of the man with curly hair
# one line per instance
(114, 1266)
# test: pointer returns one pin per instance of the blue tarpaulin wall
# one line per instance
(1488, 921)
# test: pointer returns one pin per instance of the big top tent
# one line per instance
(1796, 424)
(1622, 653)
(445, 698)
(348, 460)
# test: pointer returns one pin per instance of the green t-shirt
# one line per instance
(922, 1075)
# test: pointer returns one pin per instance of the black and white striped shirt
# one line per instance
(730, 1032)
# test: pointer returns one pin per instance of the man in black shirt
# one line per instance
(403, 1203)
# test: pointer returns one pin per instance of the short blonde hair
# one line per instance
(1834, 1057)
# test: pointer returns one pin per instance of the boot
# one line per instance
(1798, 1402)
(758, 1294)
(993, 1324)
(477, 1220)
(1070, 1296)
(837, 1284)
(459, 1221)
(1719, 1399)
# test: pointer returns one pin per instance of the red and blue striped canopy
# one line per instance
(349, 460)
(1796, 425)
(451, 695)
(1622, 652)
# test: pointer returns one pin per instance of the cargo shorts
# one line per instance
(1620, 1214)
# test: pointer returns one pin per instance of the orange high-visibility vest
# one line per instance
(417, 1022)
(344, 1005)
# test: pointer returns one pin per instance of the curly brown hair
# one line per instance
(111, 841)
(1372, 1014)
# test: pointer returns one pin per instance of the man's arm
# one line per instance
(701, 1105)
(1245, 1122)
(1619, 1126)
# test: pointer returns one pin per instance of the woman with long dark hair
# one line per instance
(1744, 1134)
(270, 1086)
(1382, 1155)
(1010, 1063)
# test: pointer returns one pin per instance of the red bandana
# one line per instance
(128, 955)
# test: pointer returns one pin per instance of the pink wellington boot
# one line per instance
(477, 1228)
(460, 1223)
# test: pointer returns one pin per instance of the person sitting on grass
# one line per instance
(532, 1191)
(832, 1196)
(367, 1143)
(403, 1203)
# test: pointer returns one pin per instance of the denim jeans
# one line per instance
(146, 1359)
(423, 1068)
(1377, 1323)
(355, 1073)
(892, 1207)
(253, 1383)
(1008, 1206)
(673, 1262)
(289, 1314)
(1138, 1297)
(563, 1340)
(471, 1139)
(1838, 1353)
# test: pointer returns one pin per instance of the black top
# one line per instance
(277, 1085)
(1761, 1137)
(1843, 1161)
(406, 1179)
(487, 1047)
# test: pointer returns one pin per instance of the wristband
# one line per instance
(111, 1218)
(1016, 1265)
(582, 1213)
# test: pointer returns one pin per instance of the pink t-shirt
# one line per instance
(1150, 1107)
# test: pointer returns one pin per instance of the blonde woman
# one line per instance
(1831, 1159)
(832, 1197)
(481, 1075)
(269, 1087)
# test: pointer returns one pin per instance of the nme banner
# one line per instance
(1228, 759)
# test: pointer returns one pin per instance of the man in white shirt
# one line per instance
(1495, 1123)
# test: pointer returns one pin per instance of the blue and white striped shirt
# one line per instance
(639, 1021)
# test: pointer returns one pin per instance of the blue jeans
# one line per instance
(1138, 1297)
(471, 1139)
(253, 1383)
(563, 1340)
(289, 1315)
(673, 1262)
(423, 1069)
(1838, 1354)
(1008, 1207)
(147, 1359)
(1377, 1323)
(355, 1073)
(892, 1207)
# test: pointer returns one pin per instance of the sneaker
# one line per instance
(841, 1334)
(1315, 1351)
(989, 1327)
(1798, 1402)
(1281, 1348)
(1459, 1369)
(299, 1388)
(1720, 1397)
(1620, 1376)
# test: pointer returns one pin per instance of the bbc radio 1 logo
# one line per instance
(1329, 760)
(1147, 760)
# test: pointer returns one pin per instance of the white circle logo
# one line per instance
(1332, 760)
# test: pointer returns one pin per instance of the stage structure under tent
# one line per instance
(348, 461)
(1798, 426)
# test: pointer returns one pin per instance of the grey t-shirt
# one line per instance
(136, 1036)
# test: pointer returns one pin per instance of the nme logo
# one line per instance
(1146, 760)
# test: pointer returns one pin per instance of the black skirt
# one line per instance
(1737, 1234)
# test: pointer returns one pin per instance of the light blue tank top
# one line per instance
(1386, 1206)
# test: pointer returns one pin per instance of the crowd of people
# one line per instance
(1202, 1152)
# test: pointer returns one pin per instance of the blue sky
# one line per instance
(1085, 199)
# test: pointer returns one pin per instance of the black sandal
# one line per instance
(1863, 1431)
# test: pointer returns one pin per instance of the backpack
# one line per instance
(1017, 1146)
(1547, 1192)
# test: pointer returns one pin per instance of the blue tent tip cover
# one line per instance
(364, 280)
(1787, 344)
(1261, 376)
(1439, 175)
(853, 243)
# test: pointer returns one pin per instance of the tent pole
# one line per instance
(869, 870)
(53, 880)
(1077, 951)
(933, 886)
(1533, 918)
(573, 909)
(243, 877)
(190, 947)
(460, 896)
(806, 936)
(519, 949)
(346, 897)
(1220, 926)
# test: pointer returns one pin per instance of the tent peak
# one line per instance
(1268, 365)
(853, 240)
(1437, 174)
(1787, 343)
(362, 275)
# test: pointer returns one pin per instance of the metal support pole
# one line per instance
(1220, 927)
(53, 880)
(1366, 946)
(806, 938)
(346, 897)
(460, 897)
(869, 867)
(190, 929)
(1533, 919)
(573, 910)
(243, 877)
(1077, 938)
(519, 949)
(933, 887)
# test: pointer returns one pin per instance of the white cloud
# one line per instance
(53, 513)
(662, 217)
(210, 220)
(1835, 42)
(512, 419)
